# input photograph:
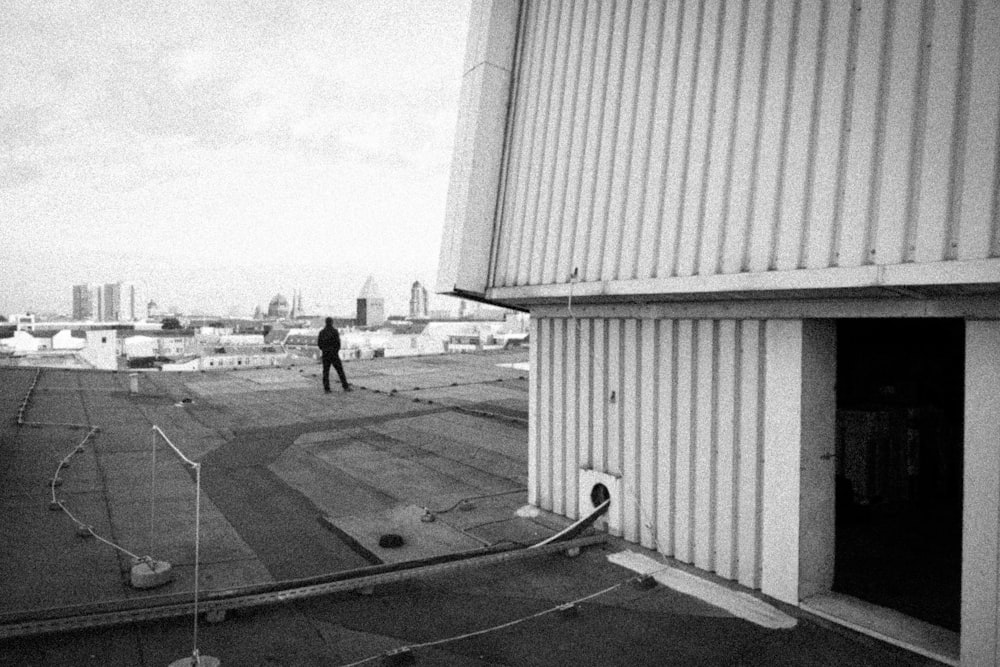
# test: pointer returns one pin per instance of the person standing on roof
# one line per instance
(329, 345)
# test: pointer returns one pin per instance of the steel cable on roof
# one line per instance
(87, 530)
(475, 633)
(84, 529)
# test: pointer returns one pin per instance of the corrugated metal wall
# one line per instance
(676, 409)
(660, 138)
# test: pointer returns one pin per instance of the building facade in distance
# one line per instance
(111, 302)
(278, 307)
(418, 302)
(370, 305)
(760, 245)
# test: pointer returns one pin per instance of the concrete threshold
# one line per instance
(887, 625)
(738, 603)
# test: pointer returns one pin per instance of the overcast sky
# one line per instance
(215, 153)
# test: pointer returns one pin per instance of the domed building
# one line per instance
(278, 307)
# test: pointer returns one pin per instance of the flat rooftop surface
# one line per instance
(297, 483)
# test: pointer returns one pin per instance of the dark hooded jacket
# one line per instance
(329, 340)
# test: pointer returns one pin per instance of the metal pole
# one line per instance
(152, 502)
(197, 553)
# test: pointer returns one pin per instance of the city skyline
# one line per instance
(395, 306)
(216, 156)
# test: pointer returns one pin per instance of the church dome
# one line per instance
(278, 306)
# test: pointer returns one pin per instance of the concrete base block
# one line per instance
(84, 531)
(569, 611)
(399, 656)
(202, 661)
(151, 574)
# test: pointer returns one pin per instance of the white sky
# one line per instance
(215, 153)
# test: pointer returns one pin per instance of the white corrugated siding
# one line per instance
(674, 407)
(661, 138)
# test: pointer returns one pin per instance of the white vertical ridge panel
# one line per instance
(659, 140)
(640, 146)
(572, 415)
(680, 133)
(624, 149)
(573, 224)
(980, 598)
(935, 177)
(894, 192)
(699, 139)
(683, 430)
(703, 413)
(772, 137)
(608, 159)
(545, 393)
(798, 157)
(666, 422)
(782, 410)
(650, 375)
(531, 233)
(586, 51)
(629, 429)
(534, 416)
(726, 484)
(884, 60)
(739, 201)
(719, 176)
(552, 193)
(587, 227)
(557, 417)
(919, 138)
(599, 396)
(959, 130)
(586, 395)
(683, 461)
(515, 189)
(750, 453)
(978, 223)
(861, 143)
(613, 399)
(613, 402)
(562, 230)
(830, 107)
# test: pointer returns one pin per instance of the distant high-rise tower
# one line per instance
(87, 302)
(371, 306)
(418, 302)
(113, 302)
(118, 302)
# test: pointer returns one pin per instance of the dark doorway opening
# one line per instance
(900, 404)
